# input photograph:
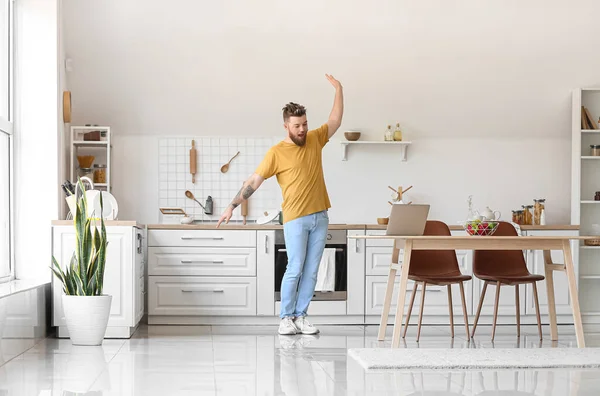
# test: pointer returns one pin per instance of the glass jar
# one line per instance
(86, 172)
(595, 150)
(539, 205)
(527, 216)
(519, 217)
(398, 133)
(100, 174)
(515, 216)
(389, 136)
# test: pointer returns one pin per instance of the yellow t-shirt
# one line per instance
(299, 171)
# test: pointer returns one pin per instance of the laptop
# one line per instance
(407, 220)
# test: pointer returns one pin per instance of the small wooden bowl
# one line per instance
(352, 136)
(382, 220)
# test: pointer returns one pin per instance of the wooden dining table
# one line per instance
(436, 242)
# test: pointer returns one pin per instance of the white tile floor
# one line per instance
(218, 360)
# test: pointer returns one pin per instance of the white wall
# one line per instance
(483, 89)
(37, 135)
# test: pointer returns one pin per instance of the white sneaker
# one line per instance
(287, 327)
(304, 326)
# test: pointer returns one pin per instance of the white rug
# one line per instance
(472, 358)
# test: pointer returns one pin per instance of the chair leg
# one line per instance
(479, 308)
(464, 306)
(496, 309)
(421, 312)
(450, 310)
(518, 311)
(537, 309)
(412, 301)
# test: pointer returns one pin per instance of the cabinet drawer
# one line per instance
(201, 261)
(170, 295)
(200, 238)
(379, 242)
(436, 297)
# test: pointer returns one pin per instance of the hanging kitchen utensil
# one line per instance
(189, 194)
(225, 167)
(193, 155)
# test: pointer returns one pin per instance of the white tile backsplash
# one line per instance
(175, 178)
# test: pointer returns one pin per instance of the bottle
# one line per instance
(543, 217)
(398, 133)
(389, 136)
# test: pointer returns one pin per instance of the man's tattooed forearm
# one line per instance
(248, 192)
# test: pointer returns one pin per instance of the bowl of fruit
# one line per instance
(480, 227)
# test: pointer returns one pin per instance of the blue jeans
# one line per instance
(305, 239)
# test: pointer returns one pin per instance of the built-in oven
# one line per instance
(336, 239)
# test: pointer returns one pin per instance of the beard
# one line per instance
(299, 141)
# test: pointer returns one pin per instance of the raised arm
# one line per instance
(335, 118)
(249, 187)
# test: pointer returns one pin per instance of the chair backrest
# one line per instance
(434, 262)
(500, 262)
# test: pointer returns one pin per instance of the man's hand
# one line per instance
(226, 216)
(336, 84)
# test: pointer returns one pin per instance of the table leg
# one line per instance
(402, 293)
(389, 290)
(573, 293)
(550, 292)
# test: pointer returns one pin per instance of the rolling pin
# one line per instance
(193, 161)
(245, 209)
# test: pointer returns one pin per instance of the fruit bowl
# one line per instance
(480, 227)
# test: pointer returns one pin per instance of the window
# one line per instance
(6, 139)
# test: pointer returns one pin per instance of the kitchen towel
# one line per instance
(326, 274)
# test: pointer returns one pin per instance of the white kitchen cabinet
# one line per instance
(123, 277)
(265, 279)
(355, 300)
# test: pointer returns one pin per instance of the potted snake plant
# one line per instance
(86, 308)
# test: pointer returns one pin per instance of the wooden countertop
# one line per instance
(113, 223)
(253, 226)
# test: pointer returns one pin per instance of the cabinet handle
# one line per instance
(266, 243)
(139, 243)
(202, 261)
(356, 245)
(203, 290)
(186, 238)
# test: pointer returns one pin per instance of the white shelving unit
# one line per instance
(101, 150)
(403, 147)
(585, 211)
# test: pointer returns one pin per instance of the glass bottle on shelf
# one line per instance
(389, 136)
(398, 133)
(538, 207)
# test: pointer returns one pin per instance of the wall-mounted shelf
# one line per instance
(403, 147)
(101, 149)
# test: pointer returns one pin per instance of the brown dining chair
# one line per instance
(436, 267)
(504, 268)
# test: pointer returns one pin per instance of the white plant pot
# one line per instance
(87, 318)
